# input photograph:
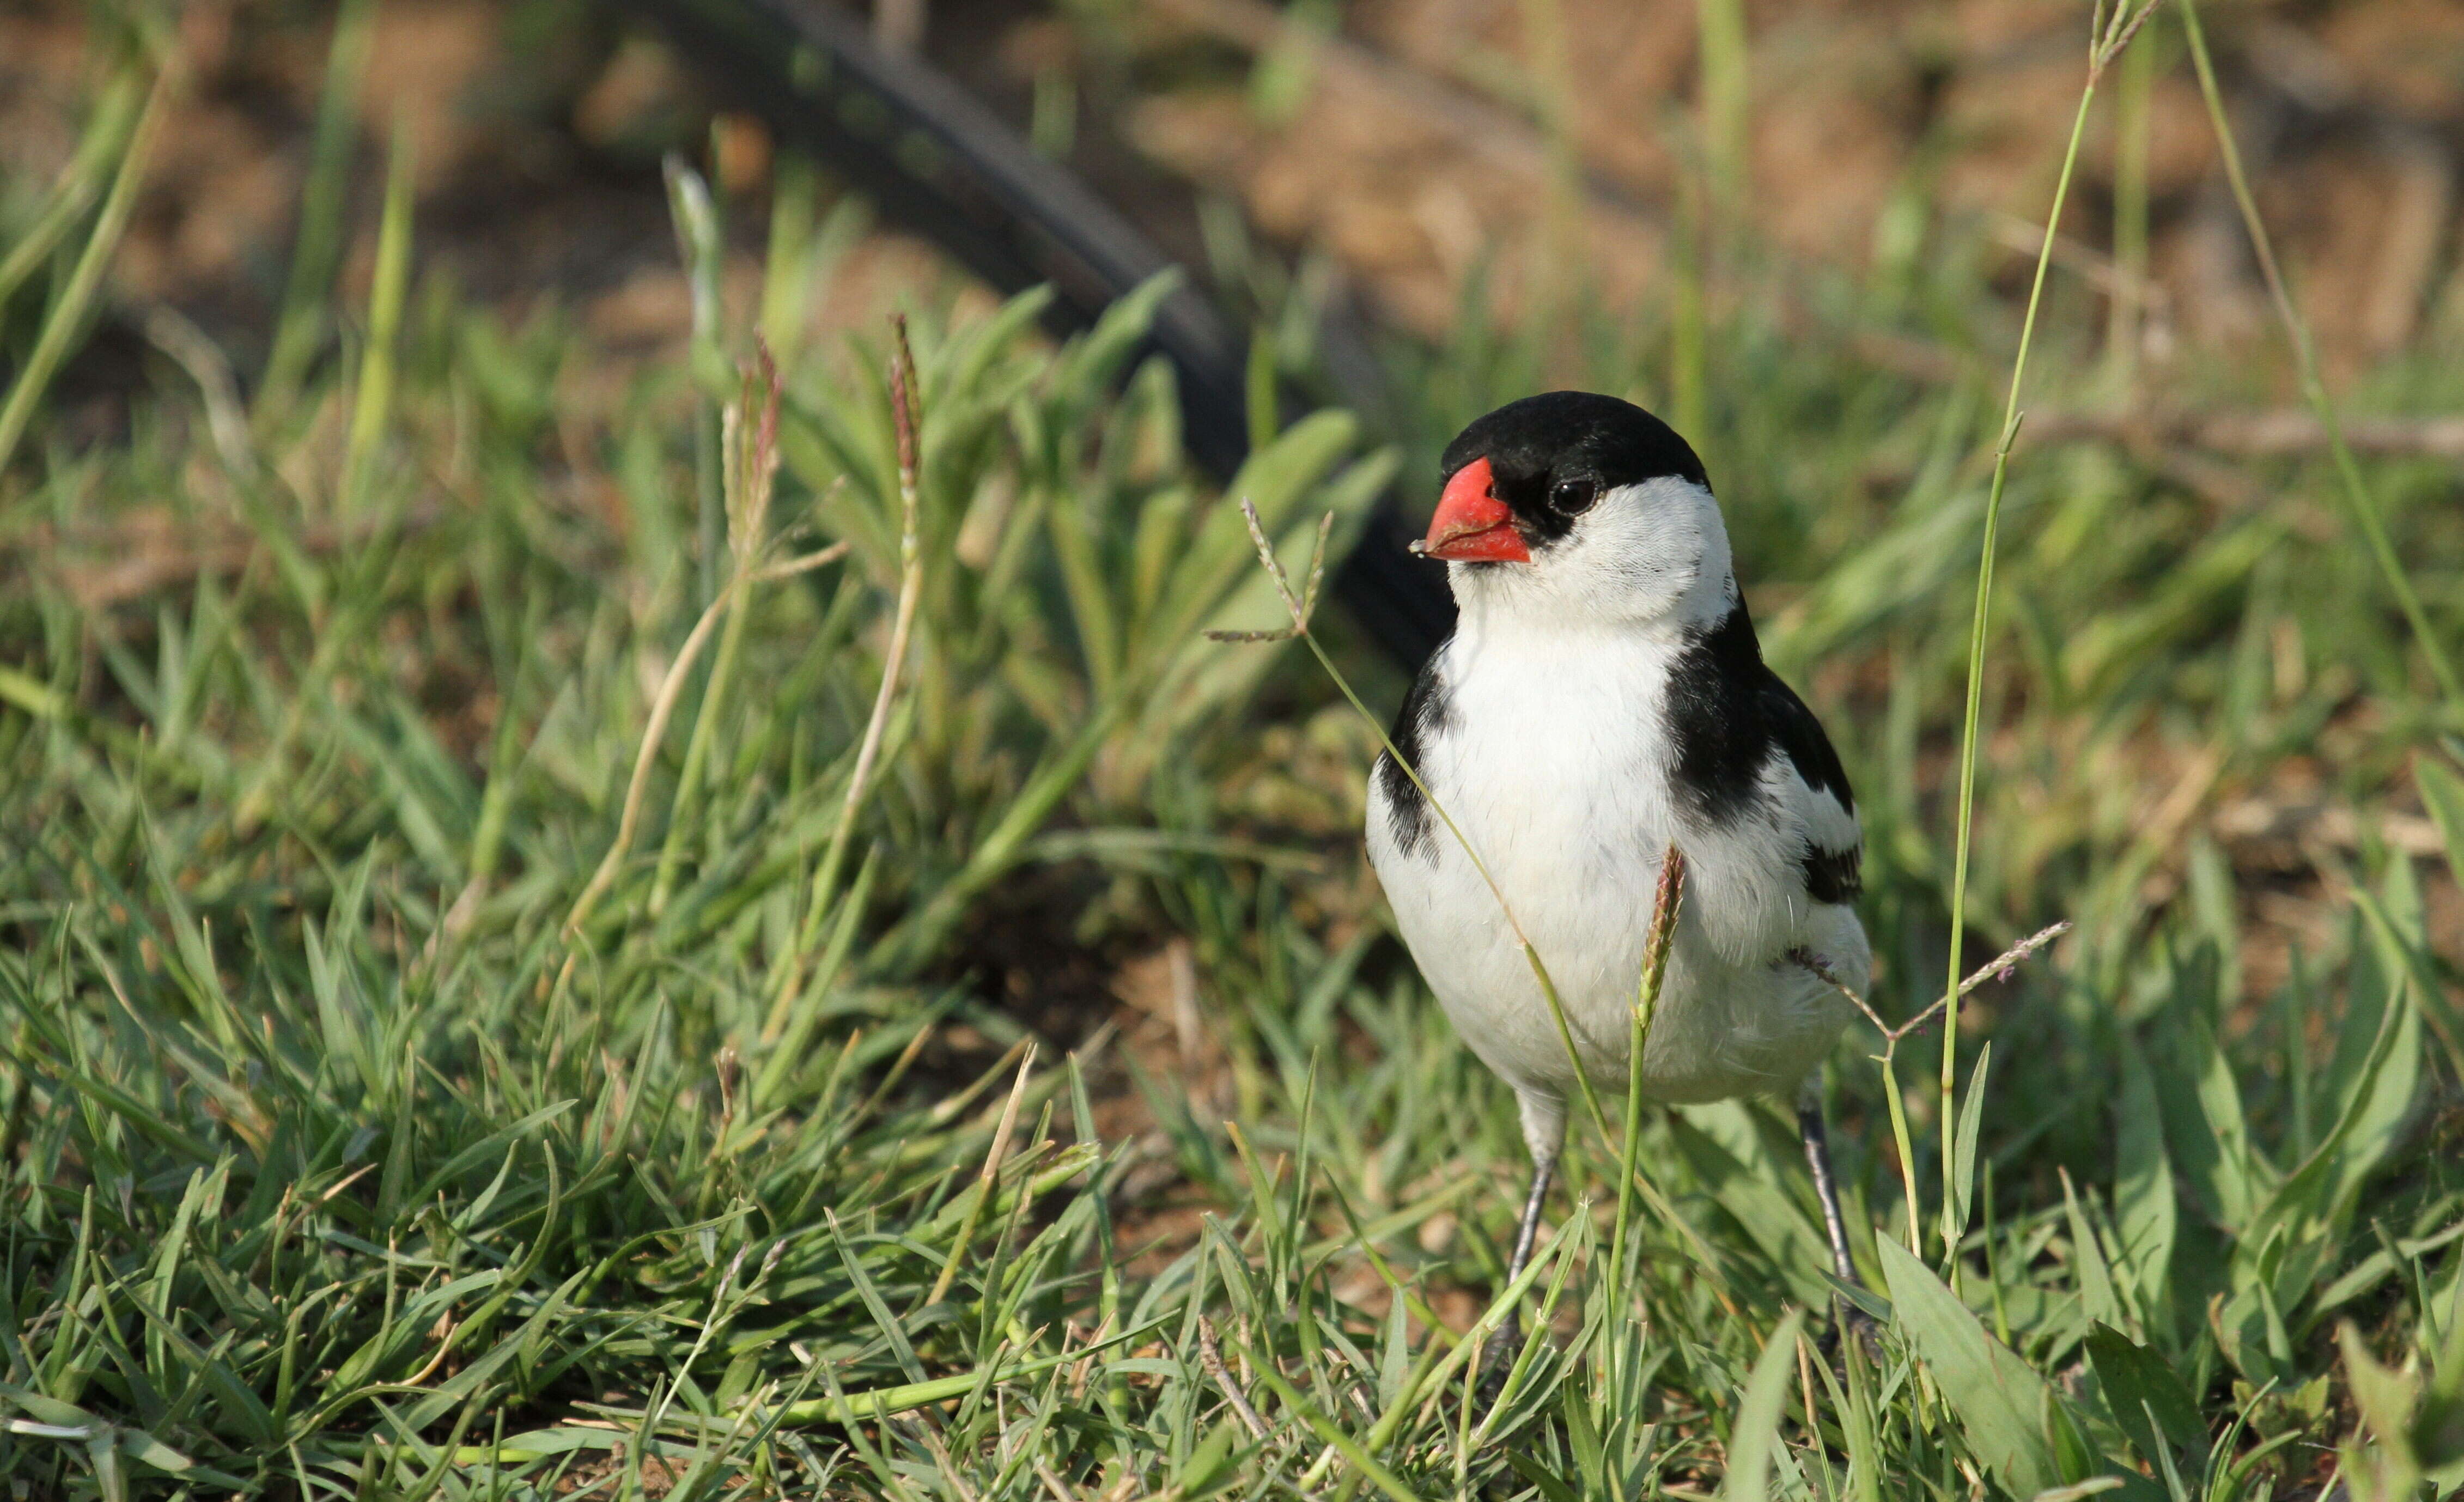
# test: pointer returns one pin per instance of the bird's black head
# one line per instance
(1552, 456)
(1573, 506)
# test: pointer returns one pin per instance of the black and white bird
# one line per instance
(1604, 697)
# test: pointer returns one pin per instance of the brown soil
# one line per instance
(1421, 145)
(1415, 146)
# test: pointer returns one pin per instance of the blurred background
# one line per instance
(1435, 159)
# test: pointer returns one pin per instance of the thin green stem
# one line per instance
(2126, 310)
(1626, 1155)
(1726, 113)
(1687, 377)
(701, 245)
(77, 295)
(748, 474)
(653, 733)
(786, 268)
(1977, 631)
(372, 406)
(722, 672)
(2314, 389)
(324, 199)
(906, 417)
(1906, 1145)
(1670, 897)
(106, 134)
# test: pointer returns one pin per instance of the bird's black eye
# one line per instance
(1573, 497)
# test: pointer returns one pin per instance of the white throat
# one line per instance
(1653, 555)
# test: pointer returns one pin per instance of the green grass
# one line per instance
(347, 1150)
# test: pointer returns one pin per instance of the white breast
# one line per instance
(1552, 762)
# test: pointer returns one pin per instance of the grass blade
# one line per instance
(373, 408)
(323, 202)
(2000, 1403)
(2314, 389)
(67, 317)
(1755, 1437)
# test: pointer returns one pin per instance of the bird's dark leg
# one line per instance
(1817, 1137)
(1810, 1129)
(1544, 1167)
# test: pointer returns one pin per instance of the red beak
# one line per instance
(1472, 525)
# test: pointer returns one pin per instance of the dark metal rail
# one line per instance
(940, 163)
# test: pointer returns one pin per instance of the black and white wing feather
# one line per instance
(1732, 718)
(1833, 861)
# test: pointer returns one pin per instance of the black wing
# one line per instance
(1726, 711)
(1425, 712)
(1835, 856)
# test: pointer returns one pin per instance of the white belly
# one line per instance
(1556, 779)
